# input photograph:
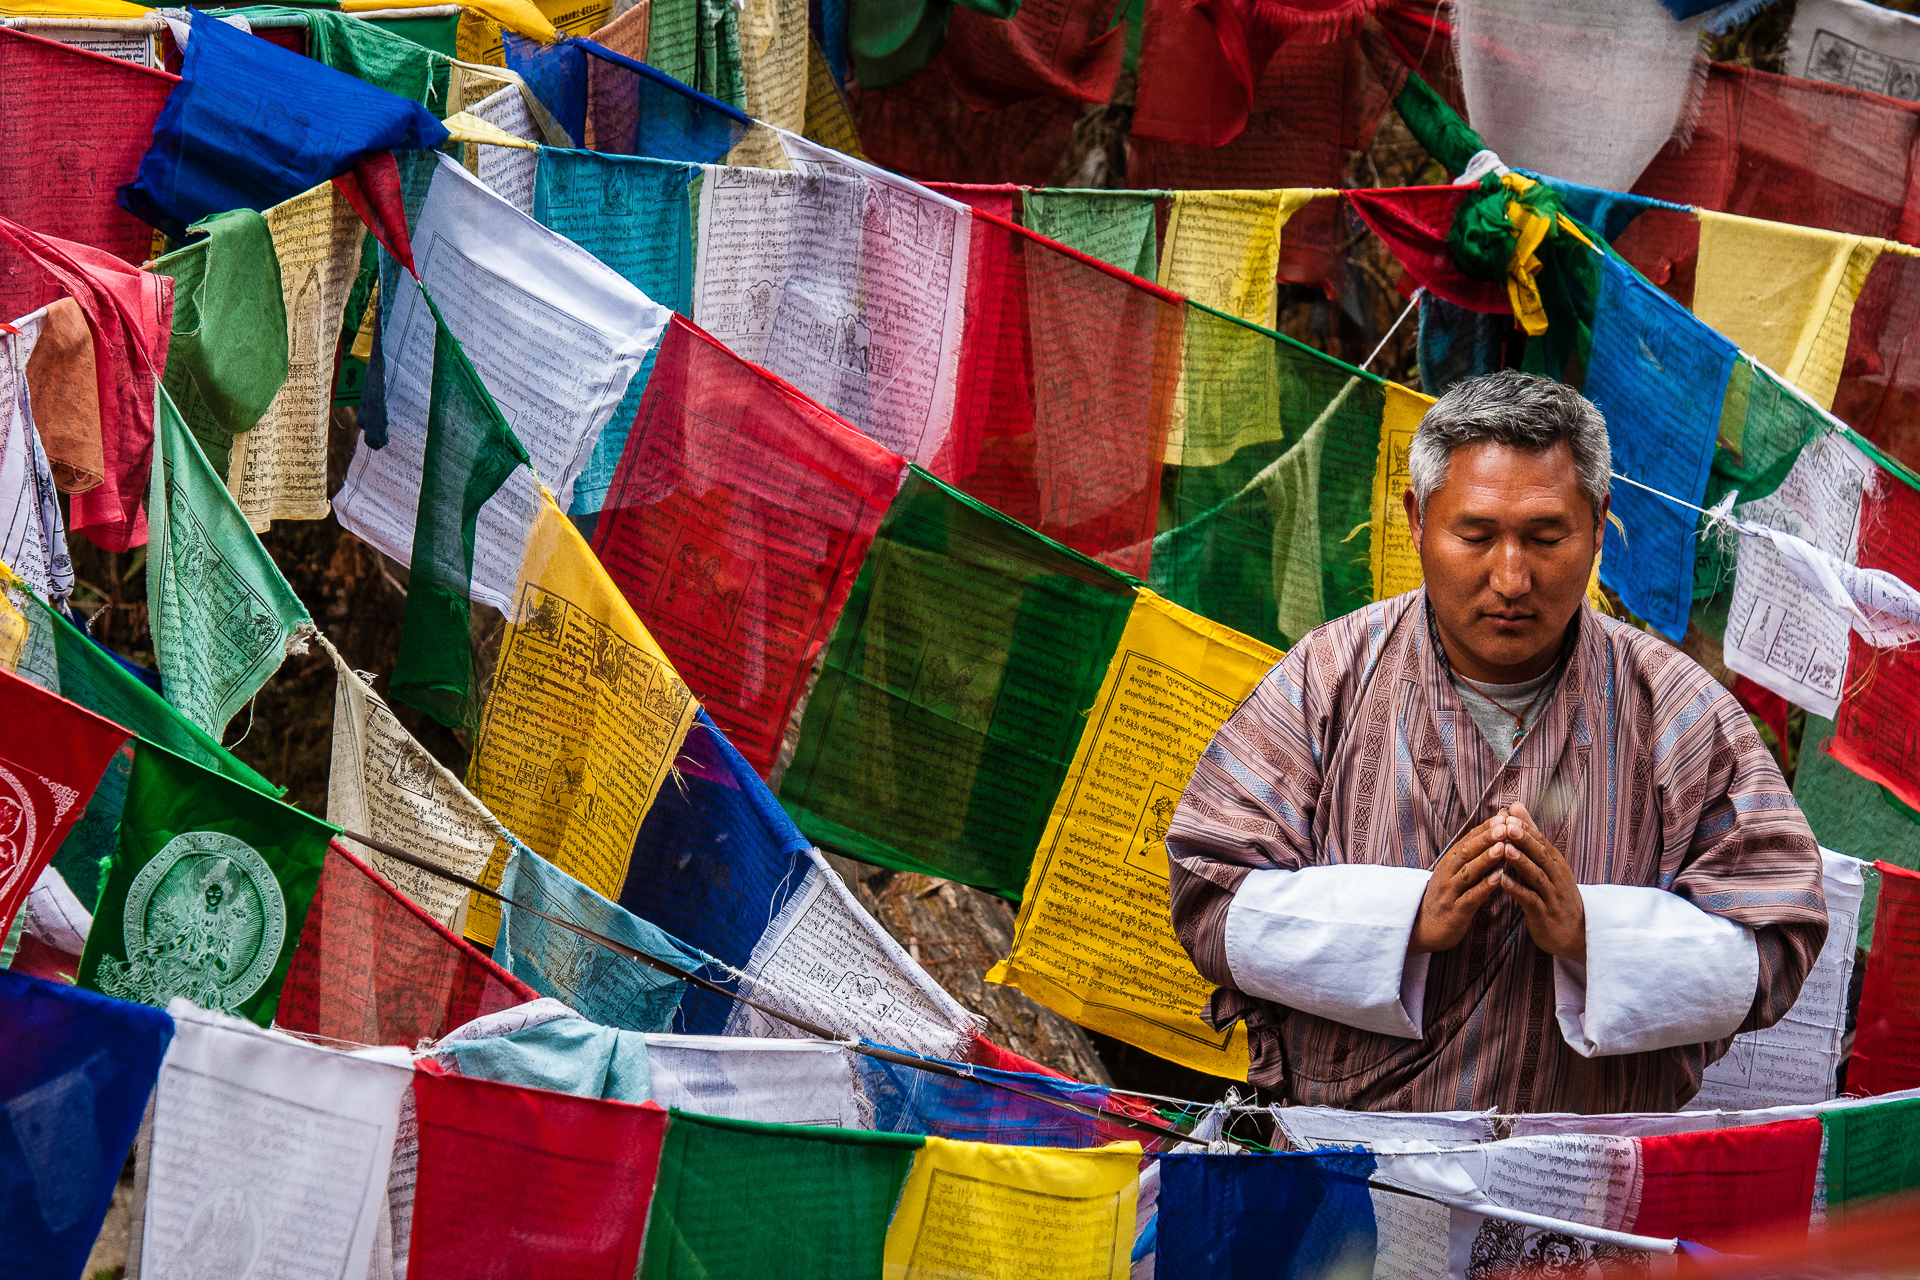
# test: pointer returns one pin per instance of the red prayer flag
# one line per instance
(524, 1182)
(51, 759)
(130, 315)
(1414, 222)
(735, 527)
(1718, 1186)
(1034, 435)
(373, 968)
(372, 187)
(1063, 49)
(63, 162)
(1886, 1044)
(1876, 733)
(1001, 199)
(923, 128)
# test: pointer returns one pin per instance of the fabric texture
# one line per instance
(1869, 1152)
(227, 356)
(565, 1054)
(65, 161)
(66, 397)
(74, 1081)
(49, 773)
(1032, 437)
(529, 1182)
(1294, 1216)
(241, 130)
(1636, 741)
(1686, 1179)
(373, 968)
(735, 526)
(1886, 1047)
(470, 452)
(835, 1189)
(1009, 636)
(208, 892)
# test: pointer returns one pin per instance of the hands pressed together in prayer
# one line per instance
(1504, 853)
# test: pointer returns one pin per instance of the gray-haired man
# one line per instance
(1480, 846)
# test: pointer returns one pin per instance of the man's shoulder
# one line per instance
(1347, 648)
(1654, 671)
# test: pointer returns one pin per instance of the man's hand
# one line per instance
(1462, 882)
(1537, 877)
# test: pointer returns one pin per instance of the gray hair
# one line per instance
(1521, 411)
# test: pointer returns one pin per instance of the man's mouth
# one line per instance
(1508, 621)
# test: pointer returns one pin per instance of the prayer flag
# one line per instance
(1873, 732)
(470, 452)
(835, 1191)
(1279, 451)
(1094, 941)
(127, 313)
(63, 161)
(527, 1182)
(848, 282)
(1847, 811)
(1117, 227)
(1001, 199)
(636, 109)
(1660, 377)
(697, 42)
(1414, 223)
(735, 526)
(65, 391)
(1783, 294)
(73, 1083)
(1718, 1186)
(555, 961)
(1291, 1216)
(925, 129)
(949, 704)
(266, 1154)
(227, 355)
(1870, 1152)
(1223, 249)
(373, 968)
(375, 55)
(51, 759)
(545, 1045)
(251, 124)
(974, 1209)
(908, 1100)
(223, 618)
(772, 1081)
(279, 468)
(773, 78)
(384, 784)
(584, 719)
(1073, 457)
(208, 892)
(1886, 1046)
(1856, 44)
(1395, 560)
(632, 214)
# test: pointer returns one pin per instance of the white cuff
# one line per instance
(1660, 972)
(1332, 941)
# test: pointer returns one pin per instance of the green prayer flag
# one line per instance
(1116, 227)
(367, 51)
(223, 618)
(733, 1194)
(1848, 815)
(952, 694)
(1436, 126)
(697, 42)
(1871, 1150)
(227, 356)
(1763, 427)
(470, 453)
(1270, 506)
(207, 893)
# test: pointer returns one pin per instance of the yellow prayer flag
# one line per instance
(115, 9)
(829, 122)
(479, 37)
(1223, 248)
(1783, 293)
(1094, 941)
(977, 1211)
(1396, 565)
(583, 720)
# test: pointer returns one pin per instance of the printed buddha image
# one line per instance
(1508, 1249)
(200, 931)
(224, 1237)
(15, 833)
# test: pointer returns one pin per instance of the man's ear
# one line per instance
(1600, 522)
(1412, 503)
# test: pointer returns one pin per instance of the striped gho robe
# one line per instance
(1301, 849)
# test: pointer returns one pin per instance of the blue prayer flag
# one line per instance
(632, 214)
(566, 1055)
(1608, 212)
(556, 74)
(714, 862)
(1659, 376)
(604, 986)
(251, 124)
(1294, 1216)
(907, 1100)
(74, 1079)
(635, 109)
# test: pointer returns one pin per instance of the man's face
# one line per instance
(1507, 547)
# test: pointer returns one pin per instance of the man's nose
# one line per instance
(1511, 579)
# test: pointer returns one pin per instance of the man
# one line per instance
(1480, 845)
